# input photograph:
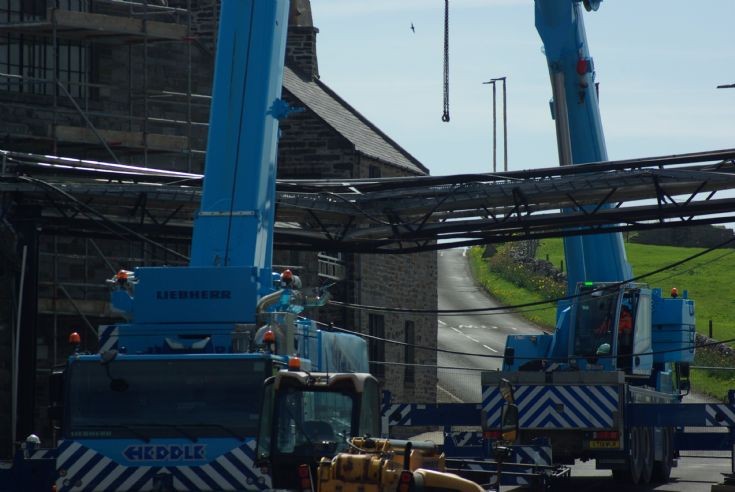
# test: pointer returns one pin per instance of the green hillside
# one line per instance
(707, 279)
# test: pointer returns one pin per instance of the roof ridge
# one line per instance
(411, 163)
(372, 126)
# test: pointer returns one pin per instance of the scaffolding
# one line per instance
(63, 90)
(122, 81)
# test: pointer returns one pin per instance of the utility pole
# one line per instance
(495, 123)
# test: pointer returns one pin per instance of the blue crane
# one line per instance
(172, 399)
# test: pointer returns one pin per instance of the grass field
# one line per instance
(510, 294)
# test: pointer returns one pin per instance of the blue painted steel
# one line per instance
(556, 406)
(205, 465)
(33, 472)
(674, 328)
(690, 414)
(408, 414)
(194, 295)
(599, 257)
(468, 444)
(235, 223)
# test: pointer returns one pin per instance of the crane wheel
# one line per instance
(634, 467)
(647, 454)
(662, 469)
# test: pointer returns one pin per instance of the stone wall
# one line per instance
(703, 236)
(405, 281)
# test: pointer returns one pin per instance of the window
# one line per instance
(409, 352)
(305, 419)
(373, 171)
(158, 398)
(33, 57)
(376, 348)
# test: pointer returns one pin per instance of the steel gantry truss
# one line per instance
(391, 215)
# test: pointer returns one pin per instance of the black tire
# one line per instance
(632, 472)
(662, 469)
(647, 454)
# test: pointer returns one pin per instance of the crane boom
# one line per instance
(579, 131)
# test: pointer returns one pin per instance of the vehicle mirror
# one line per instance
(509, 356)
(509, 423)
(56, 413)
(506, 389)
(56, 386)
(685, 386)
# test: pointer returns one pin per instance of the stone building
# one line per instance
(129, 82)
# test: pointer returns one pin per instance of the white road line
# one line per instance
(494, 327)
(442, 323)
(458, 400)
(458, 331)
(490, 348)
(514, 328)
(473, 339)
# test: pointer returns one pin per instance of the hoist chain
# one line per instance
(445, 116)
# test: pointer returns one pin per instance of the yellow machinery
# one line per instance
(315, 433)
(376, 465)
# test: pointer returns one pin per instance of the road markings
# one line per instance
(442, 323)
(458, 400)
(490, 348)
(514, 328)
(458, 331)
(473, 339)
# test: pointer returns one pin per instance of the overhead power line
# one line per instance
(505, 309)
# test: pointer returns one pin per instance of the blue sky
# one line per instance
(658, 64)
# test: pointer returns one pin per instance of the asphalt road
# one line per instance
(485, 335)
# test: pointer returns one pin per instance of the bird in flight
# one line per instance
(413, 28)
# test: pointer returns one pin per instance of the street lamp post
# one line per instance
(505, 123)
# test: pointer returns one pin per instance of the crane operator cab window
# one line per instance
(626, 323)
(594, 322)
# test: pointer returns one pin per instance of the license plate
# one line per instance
(604, 444)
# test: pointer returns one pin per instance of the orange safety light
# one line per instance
(674, 292)
(287, 275)
(269, 337)
(582, 66)
(294, 364)
(75, 339)
(122, 275)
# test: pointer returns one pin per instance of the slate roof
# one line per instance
(348, 122)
